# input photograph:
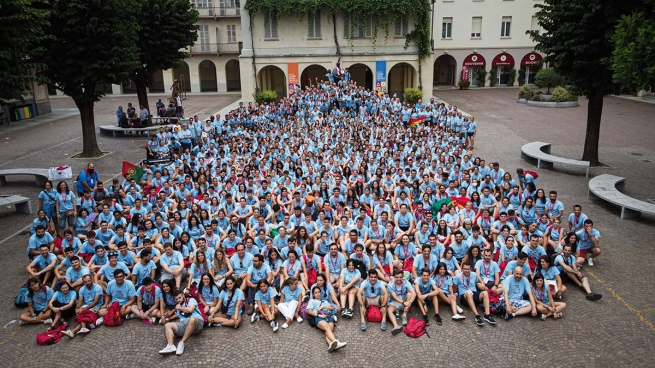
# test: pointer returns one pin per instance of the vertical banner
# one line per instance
(380, 76)
(465, 73)
(293, 77)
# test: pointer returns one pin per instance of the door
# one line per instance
(503, 74)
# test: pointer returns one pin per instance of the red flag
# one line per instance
(134, 171)
(416, 121)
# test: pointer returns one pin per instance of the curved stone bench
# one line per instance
(20, 203)
(40, 175)
(610, 187)
(541, 152)
(116, 130)
(552, 104)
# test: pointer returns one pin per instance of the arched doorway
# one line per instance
(233, 75)
(207, 75)
(503, 63)
(312, 72)
(401, 76)
(444, 70)
(471, 68)
(361, 74)
(530, 65)
(158, 82)
(273, 78)
(183, 75)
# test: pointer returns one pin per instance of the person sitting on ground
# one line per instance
(88, 299)
(515, 288)
(489, 272)
(546, 306)
(551, 277)
(149, 302)
(172, 265)
(121, 291)
(565, 263)
(588, 239)
(373, 293)
(467, 285)
(320, 310)
(291, 301)
(229, 308)
(190, 323)
(63, 305)
(426, 293)
(43, 265)
(444, 282)
(38, 298)
(265, 300)
(106, 273)
(402, 296)
(348, 287)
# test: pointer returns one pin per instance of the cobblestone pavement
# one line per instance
(616, 331)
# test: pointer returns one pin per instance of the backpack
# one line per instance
(201, 308)
(20, 299)
(86, 316)
(303, 311)
(531, 173)
(311, 273)
(359, 265)
(415, 328)
(50, 337)
(373, 313)
(113, 317)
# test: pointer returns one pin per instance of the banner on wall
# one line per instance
(293, 79)
(381, 76)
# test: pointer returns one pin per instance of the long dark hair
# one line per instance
(202, 285)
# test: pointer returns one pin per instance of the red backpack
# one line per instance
(86, 316)
(311, 272)
(373, 313)
(415, 328)
(113, 317)
(193, 293)
(532, 173)
(50, 337)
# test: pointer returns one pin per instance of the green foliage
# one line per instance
(385, 13)
(633, 59)
(536, 96)
(525, 92)
(464, 84)
(493, 73)
(94, 43)
(512, 77)
(22, 26)
(561, 94)
(522, 76)
(167, 28)
(265, 96)
(482, 76)
(547, 78)
(412, 95)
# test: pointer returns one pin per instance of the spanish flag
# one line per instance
(415, 121)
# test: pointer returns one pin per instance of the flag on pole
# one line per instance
(135, 172)
(415, 121)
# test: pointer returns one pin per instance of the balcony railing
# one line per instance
(215, 48)
(218, 12)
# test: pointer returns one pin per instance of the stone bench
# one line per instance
(116, 130)
(610, 187)
(40, 175)
(22, 204)
(160, 119)
(541, 152)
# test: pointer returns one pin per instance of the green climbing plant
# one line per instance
(383, 12)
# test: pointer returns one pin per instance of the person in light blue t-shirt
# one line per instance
(37, 299)
(62, 304)
(229, 305)
(265, 304)
(514, 288)
(190, 323)
(149, 302)
(121, 291)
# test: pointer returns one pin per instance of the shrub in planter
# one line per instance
(482, 77)
(525, 92)
(512, 77)
(492, 77)
(547, 78)
(265, 96)
(536, 96)
(560, 94)
(464, 84)
(412, 95)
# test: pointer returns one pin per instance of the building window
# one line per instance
(476, 27)
(202, 4)
(447, 28)
(314, 25)
(534, 25)
(231, 33)
(402, 27)
(505, 26)
(203, 36)
(270, 27)
(357, 28)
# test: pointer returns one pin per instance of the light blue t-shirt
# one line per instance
(265, 298)
(141, 271)
(377, 288)
(236, 299)
(516, 289)
(350, 276)
(40, 299)
(89, 294)
(121, 293)
(149, 297)
(65, 298)
(400, 290)
(108, 271)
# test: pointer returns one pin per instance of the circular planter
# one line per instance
(546, 98)
(553, 104)
(523, 100)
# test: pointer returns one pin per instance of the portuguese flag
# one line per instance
(135, 172)
(457, 202)
(415, 121)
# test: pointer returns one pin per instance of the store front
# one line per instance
(503, 63)
(530, 64)
(471, 68)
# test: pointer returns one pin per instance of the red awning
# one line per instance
(531, 59)
(474, 60)
(503, 59)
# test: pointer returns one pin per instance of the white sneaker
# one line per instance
(334, 318)
(299, 320)
(21, 322)
(285, 325)
(459, 317)
(180, 348)
(254, 318)
(162, 321)
(332, 346)
(274, 326)
(153, 320)
(590, 262)
(340, 345)
(68, 333)
(130, 316)
(83, 331)
(48, 321)
(99, 321)
(460, 310)
(169, 349)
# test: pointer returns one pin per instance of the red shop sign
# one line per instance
(474, 60)
(531, 59)
(503, 59)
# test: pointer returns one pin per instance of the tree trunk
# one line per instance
(592, 136)
(336, 39)
(142, 94)
(89, 141)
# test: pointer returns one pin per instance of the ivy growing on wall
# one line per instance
(385, 13)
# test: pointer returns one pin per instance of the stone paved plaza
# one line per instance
(619, 330)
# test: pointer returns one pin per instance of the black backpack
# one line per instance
(359, 265)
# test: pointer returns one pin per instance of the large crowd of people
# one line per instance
(304, 210)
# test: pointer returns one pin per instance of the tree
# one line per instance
(577, 39)
(22, 26)
(94, 43)
(547, 78)
(167, 28)
(633, 59)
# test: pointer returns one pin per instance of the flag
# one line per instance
(134, 171)
(415, 121)
(457, 202)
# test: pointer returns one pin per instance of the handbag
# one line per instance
(60, 172)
